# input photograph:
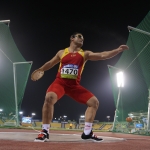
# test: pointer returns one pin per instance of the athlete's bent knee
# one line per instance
(50, 98)
(93, 102)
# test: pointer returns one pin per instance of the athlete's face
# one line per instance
(78, 39)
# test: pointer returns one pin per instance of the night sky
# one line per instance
(41, 28)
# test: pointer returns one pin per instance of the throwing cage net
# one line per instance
(133, 100)
(14, 72)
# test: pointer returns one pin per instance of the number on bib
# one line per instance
(69, 73)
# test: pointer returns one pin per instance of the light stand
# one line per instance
(120, 83)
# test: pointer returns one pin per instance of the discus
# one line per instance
(37, 74)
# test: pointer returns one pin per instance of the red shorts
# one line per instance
(75, 91)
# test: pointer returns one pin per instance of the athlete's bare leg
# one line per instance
(47, 115)
(90, 113)
(48, 107)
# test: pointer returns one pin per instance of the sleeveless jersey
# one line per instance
(71, 66)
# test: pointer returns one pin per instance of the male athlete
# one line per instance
(72, 61)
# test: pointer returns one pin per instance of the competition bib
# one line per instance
(69, 71)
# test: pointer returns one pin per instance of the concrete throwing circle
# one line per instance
(29, 136)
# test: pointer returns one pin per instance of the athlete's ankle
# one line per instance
(87, 128)
(46, 127)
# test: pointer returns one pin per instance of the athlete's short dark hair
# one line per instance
(74, 34)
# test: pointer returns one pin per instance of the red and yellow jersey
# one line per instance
(71, 65)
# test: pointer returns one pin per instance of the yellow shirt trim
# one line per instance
(66, 51)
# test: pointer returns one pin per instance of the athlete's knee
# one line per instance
(93, 102)
(50, 98)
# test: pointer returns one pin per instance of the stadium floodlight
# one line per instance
(120, 84)
(108, 117)
(20, 112)
(1, 110)
(82, 116)
(120, 79)
(65, 116)
(33, 114)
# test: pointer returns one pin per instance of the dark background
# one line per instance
(41, 28)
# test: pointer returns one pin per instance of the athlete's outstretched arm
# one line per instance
(55, 60)
(106, 54)
(37, 74)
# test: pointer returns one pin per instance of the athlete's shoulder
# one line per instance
(87, 51)
(59, 53)
(86, 54)
(62, 52)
